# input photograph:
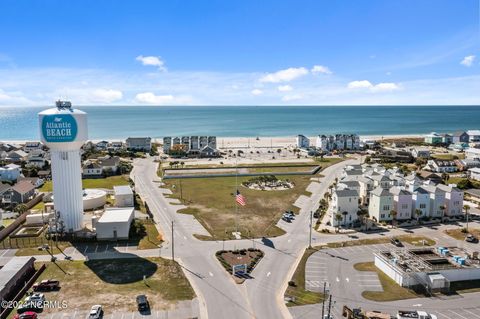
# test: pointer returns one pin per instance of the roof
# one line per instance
(12, 166)
(20, 153)
(11, 268)
(475, 170)
(473, 132)
(459, 133)
(448, 188)
(421, 190)
(380, 178)
(399, 191)
(350, 183)
(111, 161)
(4, 187)
(473, 192)
(379, 191)
(122, 190)
(433, 189)
(139, 139)
(354, 172)
(346, 192)
(116, 215)
(23, 187)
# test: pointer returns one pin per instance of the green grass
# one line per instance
(39, 206)
(114, 283)
(31, 251)
(298, 292)
(7, 222)
(391, 290)
(449, 157)
(108, 183)
(152, 239)
(211, 201)
(328, 161)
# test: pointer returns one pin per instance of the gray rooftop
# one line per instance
(346, 192)
(122, 190)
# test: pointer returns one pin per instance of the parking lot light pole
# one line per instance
(173, 244)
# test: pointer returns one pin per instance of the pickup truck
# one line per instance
(47, 284)
(414, 315)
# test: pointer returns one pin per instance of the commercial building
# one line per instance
(123, 196)
(114, 223)
(430, 268)
(14, 275)
(302, 141)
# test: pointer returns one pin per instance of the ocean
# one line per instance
(119, 122)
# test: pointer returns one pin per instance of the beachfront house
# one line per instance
(437, 200)
(421, 202)
(31, 146)
(447, 139)
(433, 138)
(302, 141)
(474, 173)
(420, 152)
(460, 137)
(345, 203)
(139, 144)
(473, 136)
(441, 166)
(16, 156)
(381, 204)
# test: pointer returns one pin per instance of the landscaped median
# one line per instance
(243, 260)
(415, 240)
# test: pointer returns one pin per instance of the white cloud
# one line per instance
(257, 92)
(107, 95)
(468, 60)
(284, 75)
(151, 98)
(152, 61)
(292, 97)
(320, 69)
(380, 87)
(285, 88)
(360, 84)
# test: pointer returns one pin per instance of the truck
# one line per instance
(359, 313)
(46, 285)
(414, 315)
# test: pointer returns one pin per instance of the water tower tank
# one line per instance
(64, 130)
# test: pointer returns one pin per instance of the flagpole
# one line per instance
(236, 192)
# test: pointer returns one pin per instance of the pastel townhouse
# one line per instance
(345, 203)
(381, 204)
(453, 200)
(421, 202)
(437, 201)
(402, 203)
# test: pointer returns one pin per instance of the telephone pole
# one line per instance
(173, 244)
(329, 306)
(323, 301)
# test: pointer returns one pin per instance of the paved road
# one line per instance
(261, 297)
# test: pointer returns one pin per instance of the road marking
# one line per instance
(417, 305)
(471, 313)
(456, 313)
(268, 274)
(210, 273)
(337, 279)
(184, 237)
(348, 280)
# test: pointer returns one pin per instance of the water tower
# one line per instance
(64, 130)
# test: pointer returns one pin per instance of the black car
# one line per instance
(142, 303)
(396, 242)
(471, 239)
(316, 215)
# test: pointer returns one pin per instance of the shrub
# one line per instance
(292, 283)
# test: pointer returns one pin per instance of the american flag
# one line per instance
(240, 199)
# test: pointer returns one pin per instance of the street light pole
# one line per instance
(311, 226)
(173, 244)
(323, 301)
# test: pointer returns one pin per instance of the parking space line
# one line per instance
(473, 314)
(458, 314)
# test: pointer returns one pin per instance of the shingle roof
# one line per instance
(399, 191)
(379, 191)
(23, 187)
(346, 192)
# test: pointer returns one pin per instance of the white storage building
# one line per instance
(114, 223)
(123, 196)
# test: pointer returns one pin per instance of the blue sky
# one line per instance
(240, 52)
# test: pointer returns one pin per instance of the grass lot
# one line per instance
(7, 222)
(108, 183)
(449, 157)
(411, 239)
(462, 180)
(457, 233)
(30, 249)
(391, 290)
(115, 283)
(152, 239)
(211, 201)
(298, 292)
(39, 206)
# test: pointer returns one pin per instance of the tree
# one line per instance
(182, 164)
(442, 208)
(466, 208)
(338, 219)
(418, 213)
(393, 213)
(21, 208)
(279, 151)
(344, 218)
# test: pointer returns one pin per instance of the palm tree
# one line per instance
(393, 213)
(182, 164)
(418, 213)
(338, 218)
(442, 208)
(344, 218)
(466, 208)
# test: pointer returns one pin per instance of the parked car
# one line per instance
(96, 312)
(36, 297)
(396, 242)
(31, 306)
(287, 219)
(26, 315)
(316, 215)
(142, 303)
(471, 239)
(46, 285)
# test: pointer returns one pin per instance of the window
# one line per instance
(423, 206)
(386, 207)
(382, 216)
(404, 206)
